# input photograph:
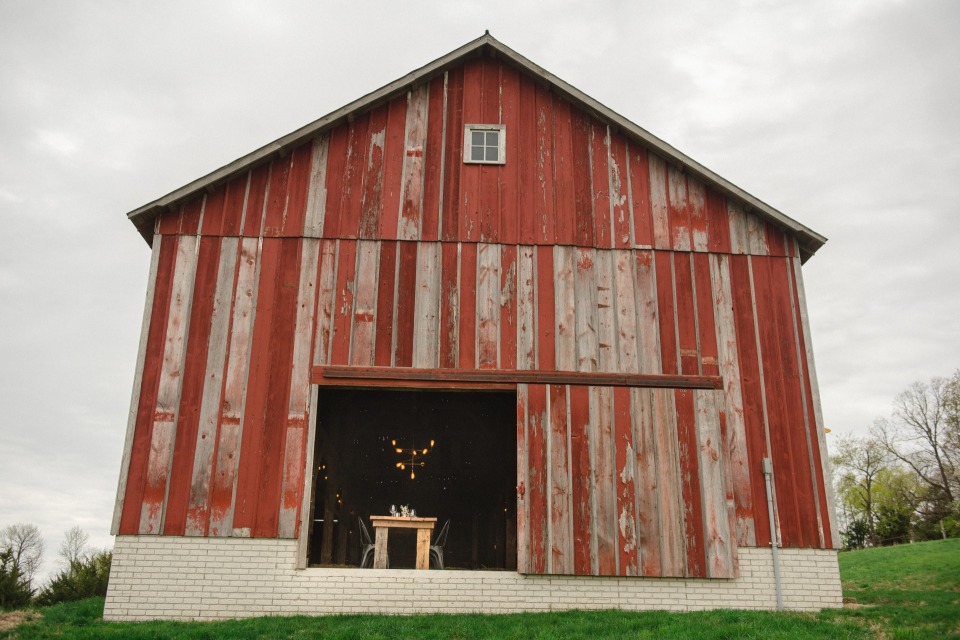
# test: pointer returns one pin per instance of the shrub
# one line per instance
(85, 577)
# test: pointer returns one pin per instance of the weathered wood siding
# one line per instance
(375, 245)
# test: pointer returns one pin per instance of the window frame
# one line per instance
(469, 129)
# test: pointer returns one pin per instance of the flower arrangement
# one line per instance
(405, 511)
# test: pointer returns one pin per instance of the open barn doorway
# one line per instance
(467, 475)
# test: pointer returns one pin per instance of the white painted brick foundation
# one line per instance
(206, 578)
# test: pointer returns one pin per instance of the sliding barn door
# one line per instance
(618, 481)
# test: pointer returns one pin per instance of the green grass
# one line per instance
(906, 592)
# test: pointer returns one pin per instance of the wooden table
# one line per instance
(382, 526)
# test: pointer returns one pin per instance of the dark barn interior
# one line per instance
(468, 475)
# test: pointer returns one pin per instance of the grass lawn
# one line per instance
(910, 591)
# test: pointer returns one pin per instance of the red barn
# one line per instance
(480, 293)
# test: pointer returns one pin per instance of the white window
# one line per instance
(484, 144)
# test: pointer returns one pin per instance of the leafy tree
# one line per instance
(15, 589)
(855, 534)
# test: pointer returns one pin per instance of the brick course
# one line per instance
(187, 578)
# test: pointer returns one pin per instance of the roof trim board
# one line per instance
(810, 241)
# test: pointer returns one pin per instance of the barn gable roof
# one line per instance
(143, 217)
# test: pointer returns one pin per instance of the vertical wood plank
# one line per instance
(648, 314)
(148, 336)
(688, 440)
(756, 236)
(685, 299)
(772, 361)
(718, 543)
(564, 194)
(488, 305)
(625, 475)
(433, 160)
(658, 203)
(508, 210)
(581, 482)
(298, 186)
(641, 213)
(198, 508)
(507, 319)
(545, 204)
(453, 156)
(191, 216)
(234, 388)
(829, 502)
(619, 187)
(706, 336)
(342, 319)
(191, 386)
(298, 408)
(271, 457)
(411, 192)
(336, 167)
(162, 434)
(648, 482)
(699, 222)
(565, 308)
(538, 424)
(606, 317)
(669, 493)
(426, 337)
(523, 481)
(561, 535)
(526, 309)
(364, 335)
(317, 189)
(359, 146)
(488, 196)
(666, 314)
(371, 200)
(213, 211)
(326, 300)
(276, 204)
(802, 381)
(601, 417)
(751, 387)
(468, 306)
(735, 447)
(678, 209)
(583, 191)
(584, 303)
(717, 222)
(739, 242)
(601, 188)
(529, 178)
(546, 322)
(386, 304)
(406, 305)
(450, 306)
(394, 155)
(625, 312)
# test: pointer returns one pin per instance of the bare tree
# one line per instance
(25, 545)
(74, 547)
(924, 434)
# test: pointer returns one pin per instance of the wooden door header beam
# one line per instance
(501, 378)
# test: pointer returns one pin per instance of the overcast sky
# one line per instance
(843, 115)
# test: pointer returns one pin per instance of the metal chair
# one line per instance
(436, 549)
(367, 547)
